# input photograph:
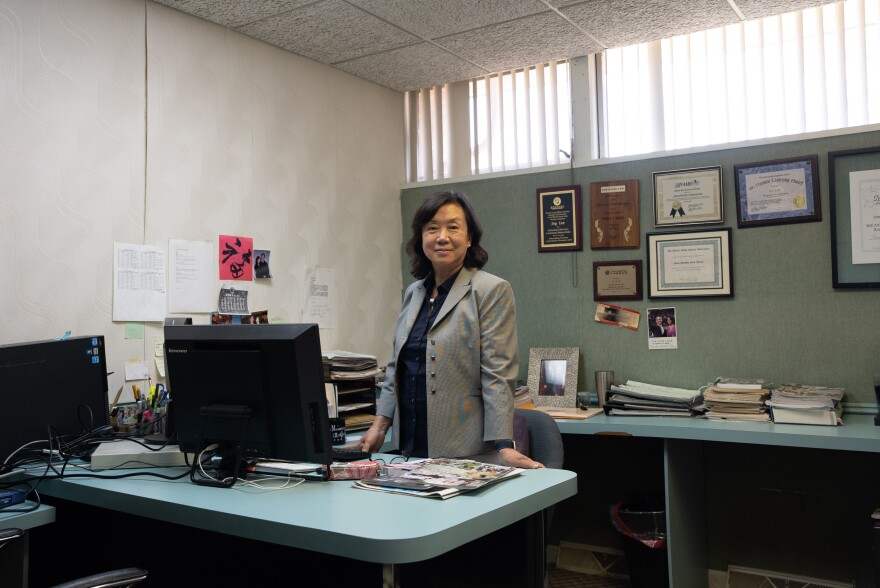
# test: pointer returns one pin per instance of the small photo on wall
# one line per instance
(662, 328)
(261, 264)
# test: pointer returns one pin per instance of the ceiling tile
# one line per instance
(233, 13)
(523, 42)
(432, 19)
(761, 8)
(627, 22)
(328, 32)
(417, 66)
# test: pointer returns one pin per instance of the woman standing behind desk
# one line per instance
(449, 386)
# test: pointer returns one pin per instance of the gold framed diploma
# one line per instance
(777, 192)
(690, 264)
(617, 280)
(559, 219)
(688, 197)
(614, 215)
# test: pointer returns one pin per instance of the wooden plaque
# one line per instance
(614, 215)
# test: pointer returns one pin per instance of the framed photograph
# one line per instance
(617, 280)
(690, 264)
(559, 219)
(778, 192)
(553, 376)
(688, 197)
(854, 196)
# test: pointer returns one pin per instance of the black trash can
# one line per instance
(641, 519)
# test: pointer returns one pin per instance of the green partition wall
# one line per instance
(785, 321)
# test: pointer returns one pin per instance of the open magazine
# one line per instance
(442, 477)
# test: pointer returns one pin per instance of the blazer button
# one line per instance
(433, 357)
(433, 374)
(433, 391)
(433, 342)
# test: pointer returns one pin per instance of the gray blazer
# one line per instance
(471, 365)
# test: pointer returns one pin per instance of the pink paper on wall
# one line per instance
(235, 258)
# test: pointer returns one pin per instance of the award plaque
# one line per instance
(559, 219)
(614, 215)
(617, 280)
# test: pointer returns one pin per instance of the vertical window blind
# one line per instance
(811, 70)
(795, 73)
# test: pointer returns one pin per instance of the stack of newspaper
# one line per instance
(640, 399)
(737, 399)
(345, 365)
(442, 477)
(808, 405)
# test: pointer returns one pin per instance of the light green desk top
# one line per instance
(328, 517)
(43, 515)
(858, 433)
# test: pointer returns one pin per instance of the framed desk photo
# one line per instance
(690, 264)
(688, 197)
(854, 196)
(559, 219)
(778, 192)
(553, 376)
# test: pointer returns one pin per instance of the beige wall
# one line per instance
(127, 121)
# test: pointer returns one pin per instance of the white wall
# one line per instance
(127, 121)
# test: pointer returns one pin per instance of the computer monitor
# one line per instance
(54, 388)
(256, 391)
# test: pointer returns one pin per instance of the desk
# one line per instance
(329, 517)
(14, 557)
(697, 453)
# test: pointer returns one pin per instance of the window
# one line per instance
(801, 72)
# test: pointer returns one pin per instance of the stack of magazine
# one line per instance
(439, 478)
(737, 399)
(640, 399)
(806, 405)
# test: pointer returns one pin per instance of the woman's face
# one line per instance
(445, 240)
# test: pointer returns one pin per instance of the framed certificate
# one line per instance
(617, 280)
(778, 192)
(559, 219)
(689, 264)
(854, 194)
(688, 197)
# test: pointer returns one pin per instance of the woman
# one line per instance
(670, 326)
(449, 386)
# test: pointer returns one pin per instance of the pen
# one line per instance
(118, 394)
(134, 392)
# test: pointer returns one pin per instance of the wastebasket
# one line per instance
(641, 519)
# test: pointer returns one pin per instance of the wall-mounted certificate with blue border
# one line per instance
(778, 192)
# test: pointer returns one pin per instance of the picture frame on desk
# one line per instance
(854, 199)
(553, 376)
(778, 192)
(690, 264)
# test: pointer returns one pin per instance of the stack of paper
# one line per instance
(640, 399)
(809, 405)
(737, 399)
(346, 365)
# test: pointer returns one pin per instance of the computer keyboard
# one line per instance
(350, 453)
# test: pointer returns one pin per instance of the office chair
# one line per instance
(120, 578)
(544, 441)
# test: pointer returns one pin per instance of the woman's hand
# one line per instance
(372, 440)
(512, 457)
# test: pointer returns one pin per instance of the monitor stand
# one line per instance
(228, 475)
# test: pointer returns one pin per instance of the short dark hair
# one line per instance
(419, 264)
